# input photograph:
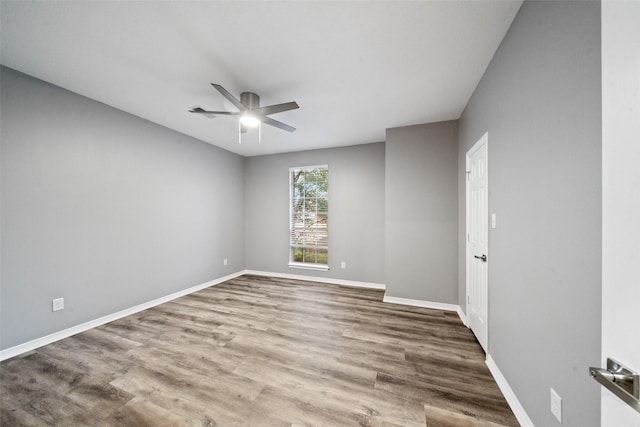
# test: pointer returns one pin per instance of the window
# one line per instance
(309, 217)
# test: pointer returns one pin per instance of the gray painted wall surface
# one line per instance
(105, 209)
(421, 211)
(356, 211)
(540, 100)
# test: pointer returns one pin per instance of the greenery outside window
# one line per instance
(309, 217)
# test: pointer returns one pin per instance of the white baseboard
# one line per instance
(56, 336)
(427, 304)
(342, 282)
(421, 303)
(509, 395)
(394, 300)
(462, 316)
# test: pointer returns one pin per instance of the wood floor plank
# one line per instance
(261, 351)
(439, 417)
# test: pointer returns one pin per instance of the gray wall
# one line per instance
(421, 211)
(356, 211)
(105, 209)
(540, 100)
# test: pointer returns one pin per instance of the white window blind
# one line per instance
(309, 217)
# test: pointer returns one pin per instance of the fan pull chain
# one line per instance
(239, 132)
(259, 133)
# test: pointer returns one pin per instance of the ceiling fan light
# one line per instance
(249, 120)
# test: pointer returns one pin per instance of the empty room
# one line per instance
(319, 213)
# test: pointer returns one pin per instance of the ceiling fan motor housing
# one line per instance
(250, 100)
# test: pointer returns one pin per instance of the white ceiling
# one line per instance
(355, 68)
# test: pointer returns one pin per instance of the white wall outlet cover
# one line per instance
(556, 405)
(57, 304)
(224, 262)
(493, 220)
(343, 264)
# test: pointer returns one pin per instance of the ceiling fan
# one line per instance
(250, 112)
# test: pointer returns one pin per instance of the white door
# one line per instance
(620, 199)
(477, 240)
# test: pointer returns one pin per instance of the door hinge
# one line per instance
(468, 300)
(468, 173)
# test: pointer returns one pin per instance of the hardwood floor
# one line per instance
(259, 351)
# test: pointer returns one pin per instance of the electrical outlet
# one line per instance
(57, 304)
(343, 264)
(224, 262)
(556, 405)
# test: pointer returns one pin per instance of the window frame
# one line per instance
(297, 264)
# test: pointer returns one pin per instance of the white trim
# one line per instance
(341, 282)
(369, 285)
(307, 168)
(509, 395)
(421, 303)
(428, 304)
(462, 316)
(65, 333)
(303, 266)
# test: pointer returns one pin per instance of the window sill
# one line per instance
(317, 267)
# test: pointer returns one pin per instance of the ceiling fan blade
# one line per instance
(269, 121)
(201, 110)
(235, 101)
(278, 108)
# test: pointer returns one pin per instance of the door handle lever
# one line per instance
(620, 380)
(483, 257)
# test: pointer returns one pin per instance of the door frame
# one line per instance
(484, 140)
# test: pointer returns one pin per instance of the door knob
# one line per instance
(483, 257)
